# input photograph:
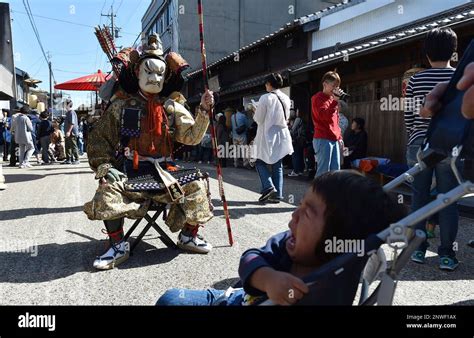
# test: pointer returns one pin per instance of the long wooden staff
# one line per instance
(211, 118)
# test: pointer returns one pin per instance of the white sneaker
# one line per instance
(194, 244)
(116, 255)
(27, 165)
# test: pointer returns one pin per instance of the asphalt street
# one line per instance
(48, 245)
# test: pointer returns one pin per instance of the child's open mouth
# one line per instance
(291, 242)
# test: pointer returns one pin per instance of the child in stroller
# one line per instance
(336, 215)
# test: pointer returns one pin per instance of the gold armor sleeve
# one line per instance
(187, 130)
(104, 138)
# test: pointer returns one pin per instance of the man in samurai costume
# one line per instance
(135, 135)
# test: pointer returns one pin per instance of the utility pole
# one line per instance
(112, 27)
(50, 86)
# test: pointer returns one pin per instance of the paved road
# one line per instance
(42, 207)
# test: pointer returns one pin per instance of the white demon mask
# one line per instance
(151, 75)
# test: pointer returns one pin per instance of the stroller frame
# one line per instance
(399, 232)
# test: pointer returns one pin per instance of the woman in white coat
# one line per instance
(273, 140)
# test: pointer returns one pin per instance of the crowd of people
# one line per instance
(280, 136)
(25, 133)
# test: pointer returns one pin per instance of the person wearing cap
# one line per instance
(71, 130)
(135, 135)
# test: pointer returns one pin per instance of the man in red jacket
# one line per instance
(327, 133)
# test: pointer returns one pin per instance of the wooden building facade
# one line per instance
(372, 73)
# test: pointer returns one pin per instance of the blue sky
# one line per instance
(74, 49)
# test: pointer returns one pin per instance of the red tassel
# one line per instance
(135, 160)
(135, 157)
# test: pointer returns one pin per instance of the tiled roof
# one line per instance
(350, 49)
(288, 26)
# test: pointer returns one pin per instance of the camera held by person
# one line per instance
(340, 94)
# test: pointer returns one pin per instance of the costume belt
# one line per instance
(173, 188)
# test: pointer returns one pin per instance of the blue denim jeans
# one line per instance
(275, 180)
(328, 155)
(445, 181)
(80, 145)
(209, 297)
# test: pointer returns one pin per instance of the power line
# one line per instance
(97, 46)
(71, 54)
(131, 16)
(35, 63)
(120, 4)
(39, 69)
(69, 71)
(103, 6)
(35, 31)
(26, 4)
(65, 21)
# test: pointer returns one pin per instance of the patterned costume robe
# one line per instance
(112, 201)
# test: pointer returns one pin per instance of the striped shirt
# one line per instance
(418, 87)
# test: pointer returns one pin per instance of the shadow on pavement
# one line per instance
(49, 168)
(16, 178)
(216, 201)
(22, 213)
(55, 261)
(20, 178)
(72, 173)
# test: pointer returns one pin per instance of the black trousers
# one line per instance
(13, 152)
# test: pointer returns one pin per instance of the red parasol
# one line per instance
(86, 83)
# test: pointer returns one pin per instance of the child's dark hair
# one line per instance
(440, 44)
(360, 121)
(356, 206)
(275, 80)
